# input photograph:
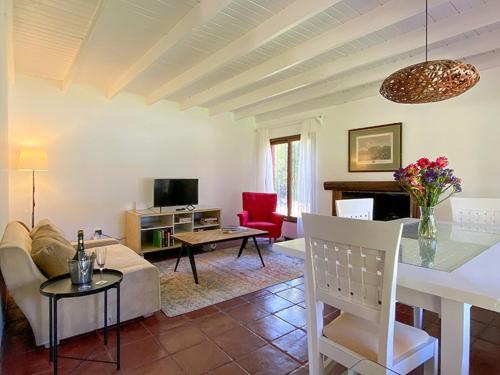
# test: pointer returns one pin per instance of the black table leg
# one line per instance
(105, 317)
(50, 329)
(181, 251)
(258, 251)
(118, 327)
(54, 350)
(242, 247)
(193, 264)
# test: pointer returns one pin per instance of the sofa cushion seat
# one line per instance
(121, 257)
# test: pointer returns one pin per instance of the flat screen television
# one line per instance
(175, 192)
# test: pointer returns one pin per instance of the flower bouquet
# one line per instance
(429, 183)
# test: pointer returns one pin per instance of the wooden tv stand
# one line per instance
(140, 226)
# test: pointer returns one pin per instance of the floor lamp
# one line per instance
(33, 160)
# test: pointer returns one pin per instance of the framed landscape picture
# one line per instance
(375, 149)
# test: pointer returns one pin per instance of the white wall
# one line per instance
(104, 153)
(466, 129)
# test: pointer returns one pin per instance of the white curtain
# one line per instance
(265, 181)
(307, 179)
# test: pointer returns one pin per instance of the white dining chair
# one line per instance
(352, 265)
(475, 210)
(361, 209)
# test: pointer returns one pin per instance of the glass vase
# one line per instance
(428, 248)
(427, 227)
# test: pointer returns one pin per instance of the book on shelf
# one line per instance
(157, 238)
(163, 237)
(208, 220)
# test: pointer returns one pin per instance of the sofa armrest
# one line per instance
(277, 218)
(90, 244)
(243, 215)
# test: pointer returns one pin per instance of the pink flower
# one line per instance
(426, 181)
(423, 163)
(442, 161)
(411, 170)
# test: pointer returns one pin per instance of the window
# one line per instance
(285, 153)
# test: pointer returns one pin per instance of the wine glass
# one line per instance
(84, 263)
(101, 261)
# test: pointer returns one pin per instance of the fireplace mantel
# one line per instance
(338, 187)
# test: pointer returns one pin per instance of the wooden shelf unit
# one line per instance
(140, 225)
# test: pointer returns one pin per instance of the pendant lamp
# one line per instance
(429, 81)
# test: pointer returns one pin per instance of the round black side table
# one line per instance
(60, 287)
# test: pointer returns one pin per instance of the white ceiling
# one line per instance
(262, 58)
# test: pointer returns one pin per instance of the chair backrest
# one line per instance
(361, 209)
(476, 210)
(352, 265)
(259, 205)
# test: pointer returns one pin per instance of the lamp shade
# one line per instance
(429, 81)
(33, 159)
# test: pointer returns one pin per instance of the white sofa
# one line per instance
(140, 288)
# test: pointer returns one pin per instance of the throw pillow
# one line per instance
(52, 256)
(46, 232)
(44, 224)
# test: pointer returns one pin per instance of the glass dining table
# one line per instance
(455, 245)
(447, 275)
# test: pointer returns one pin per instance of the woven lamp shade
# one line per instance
(430, 81)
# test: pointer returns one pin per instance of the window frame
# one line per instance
(287, 140)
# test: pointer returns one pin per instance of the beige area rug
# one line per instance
(222, 276)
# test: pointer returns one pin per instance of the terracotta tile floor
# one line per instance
(260, 333)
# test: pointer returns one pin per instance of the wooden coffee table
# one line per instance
(191, 240)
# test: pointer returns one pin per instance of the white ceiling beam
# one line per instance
(373, 75)
(294, 14)
(202, 13)
(356, 93)
(407, 43)
(385, 15)
(11, 64)
(289, 120)
(441, 30)
(73, 67)
(483, 63)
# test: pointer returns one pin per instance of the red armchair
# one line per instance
(259, 213)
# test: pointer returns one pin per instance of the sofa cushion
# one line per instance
(43, 232)
(51, 255)
(49, 249)
(43, 224)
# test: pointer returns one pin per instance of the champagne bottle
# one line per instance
(80, 249)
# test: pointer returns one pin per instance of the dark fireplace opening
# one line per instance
(386, 206)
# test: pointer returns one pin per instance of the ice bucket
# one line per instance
(77, 276)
